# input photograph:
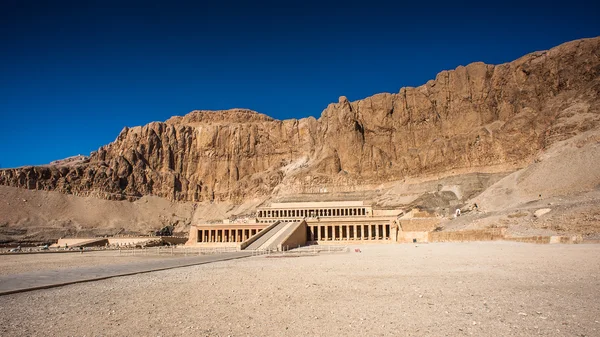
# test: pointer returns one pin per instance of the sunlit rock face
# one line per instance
(468, 118)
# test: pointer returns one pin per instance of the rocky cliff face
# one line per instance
(471, 117)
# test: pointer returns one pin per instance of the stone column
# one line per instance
(326, 233)
(319, 233)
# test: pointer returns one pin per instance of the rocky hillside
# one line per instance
(470, 118)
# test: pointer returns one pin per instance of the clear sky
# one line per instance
(74, 73)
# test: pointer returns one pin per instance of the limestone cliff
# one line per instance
(468, 118)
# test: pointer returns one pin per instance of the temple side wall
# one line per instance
(193, 236)
(419, 224)
(386, 212)
(408, 237)
(468, 235)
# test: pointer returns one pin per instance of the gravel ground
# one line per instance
(22, 263)
(453, 289)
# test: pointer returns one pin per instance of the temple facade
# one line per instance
(322, 223)
(296, 211)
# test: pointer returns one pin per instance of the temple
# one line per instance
(314, 223)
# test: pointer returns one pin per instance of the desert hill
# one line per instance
(519, 132)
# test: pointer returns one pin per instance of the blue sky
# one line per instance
(74, 73)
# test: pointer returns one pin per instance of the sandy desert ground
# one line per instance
(454, 289)
(23, 263)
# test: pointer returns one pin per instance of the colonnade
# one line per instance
(348, 232)
(226, 234)
(312, 212)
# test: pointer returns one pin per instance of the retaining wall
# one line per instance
(490, 234)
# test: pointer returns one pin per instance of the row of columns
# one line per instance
(348, 232)
(317, 212)
(282, 220)
(226, 235)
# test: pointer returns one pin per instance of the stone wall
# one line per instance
(491, 234)
(408, 237)
(419, 224)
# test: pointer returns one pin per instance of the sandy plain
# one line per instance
(22, 263)
(450, 289)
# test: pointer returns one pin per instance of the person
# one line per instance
(457, 213)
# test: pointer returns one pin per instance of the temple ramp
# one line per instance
(282, 236)
(293, 236)
(269, 237)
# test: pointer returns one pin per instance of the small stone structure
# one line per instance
(416, 226)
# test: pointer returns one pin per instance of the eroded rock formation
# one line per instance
(474, 116)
